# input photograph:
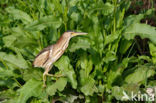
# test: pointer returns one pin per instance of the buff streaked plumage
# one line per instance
(52, 53)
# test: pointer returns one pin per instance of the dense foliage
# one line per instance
(97, 67)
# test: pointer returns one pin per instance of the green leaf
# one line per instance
(75, 16)
(125, 45)
(71, 98)
(116, 71)
(133, 19)
(80, 44)
(43, 23)
(18, 41)
(58, 6)
(31, 88)
(66, 68)
(117, 92)
(110, 56)
(106, 8)
(7, 73)
(140, 74)
(9, 93)
(86, 63)
(58, 85)
(16, 60)
(9, 40)
(8, 82)
(110, 38)
(88, 86)
(32, 73)
(153, 51)
(19, 14)
(142, 30)
(18, 38)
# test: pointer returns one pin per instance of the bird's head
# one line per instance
(70, 34)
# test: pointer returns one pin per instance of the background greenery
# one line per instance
(118, 54)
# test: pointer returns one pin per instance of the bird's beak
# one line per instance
(78, 33)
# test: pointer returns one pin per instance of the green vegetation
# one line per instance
(98, 67)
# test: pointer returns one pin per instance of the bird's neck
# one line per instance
(63, 42)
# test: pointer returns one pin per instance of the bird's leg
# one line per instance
(47, 69)
(44, 77)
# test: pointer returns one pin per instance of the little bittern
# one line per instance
(52, 53)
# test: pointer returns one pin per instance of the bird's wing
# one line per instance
(42, 57)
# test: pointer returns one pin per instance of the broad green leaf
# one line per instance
(153, 51)
(31, 88)
(132, 87)
(110, 38)
(44, 22)
(19, 14)
(117, 92)
(88, 86)
(34, 73)
(142, 30)
(140, 74)
(120, 92)
(35, 100)
(133, 19)
(18, 41)
(71, 98)
(125, 44)
(73, 2)
(106, 8)
(116, 71)
(152, 83)
(58, 6)
(75, 16)
(19, 38)
(86, 64)
(9, 93)
(9, 40)
(66, 68)
(8, 82)
(58, 85)
(7, 73)
(80, 44)
(143, 57)
(110, 56)
(16, 60)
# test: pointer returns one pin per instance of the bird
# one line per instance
(52, 53)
